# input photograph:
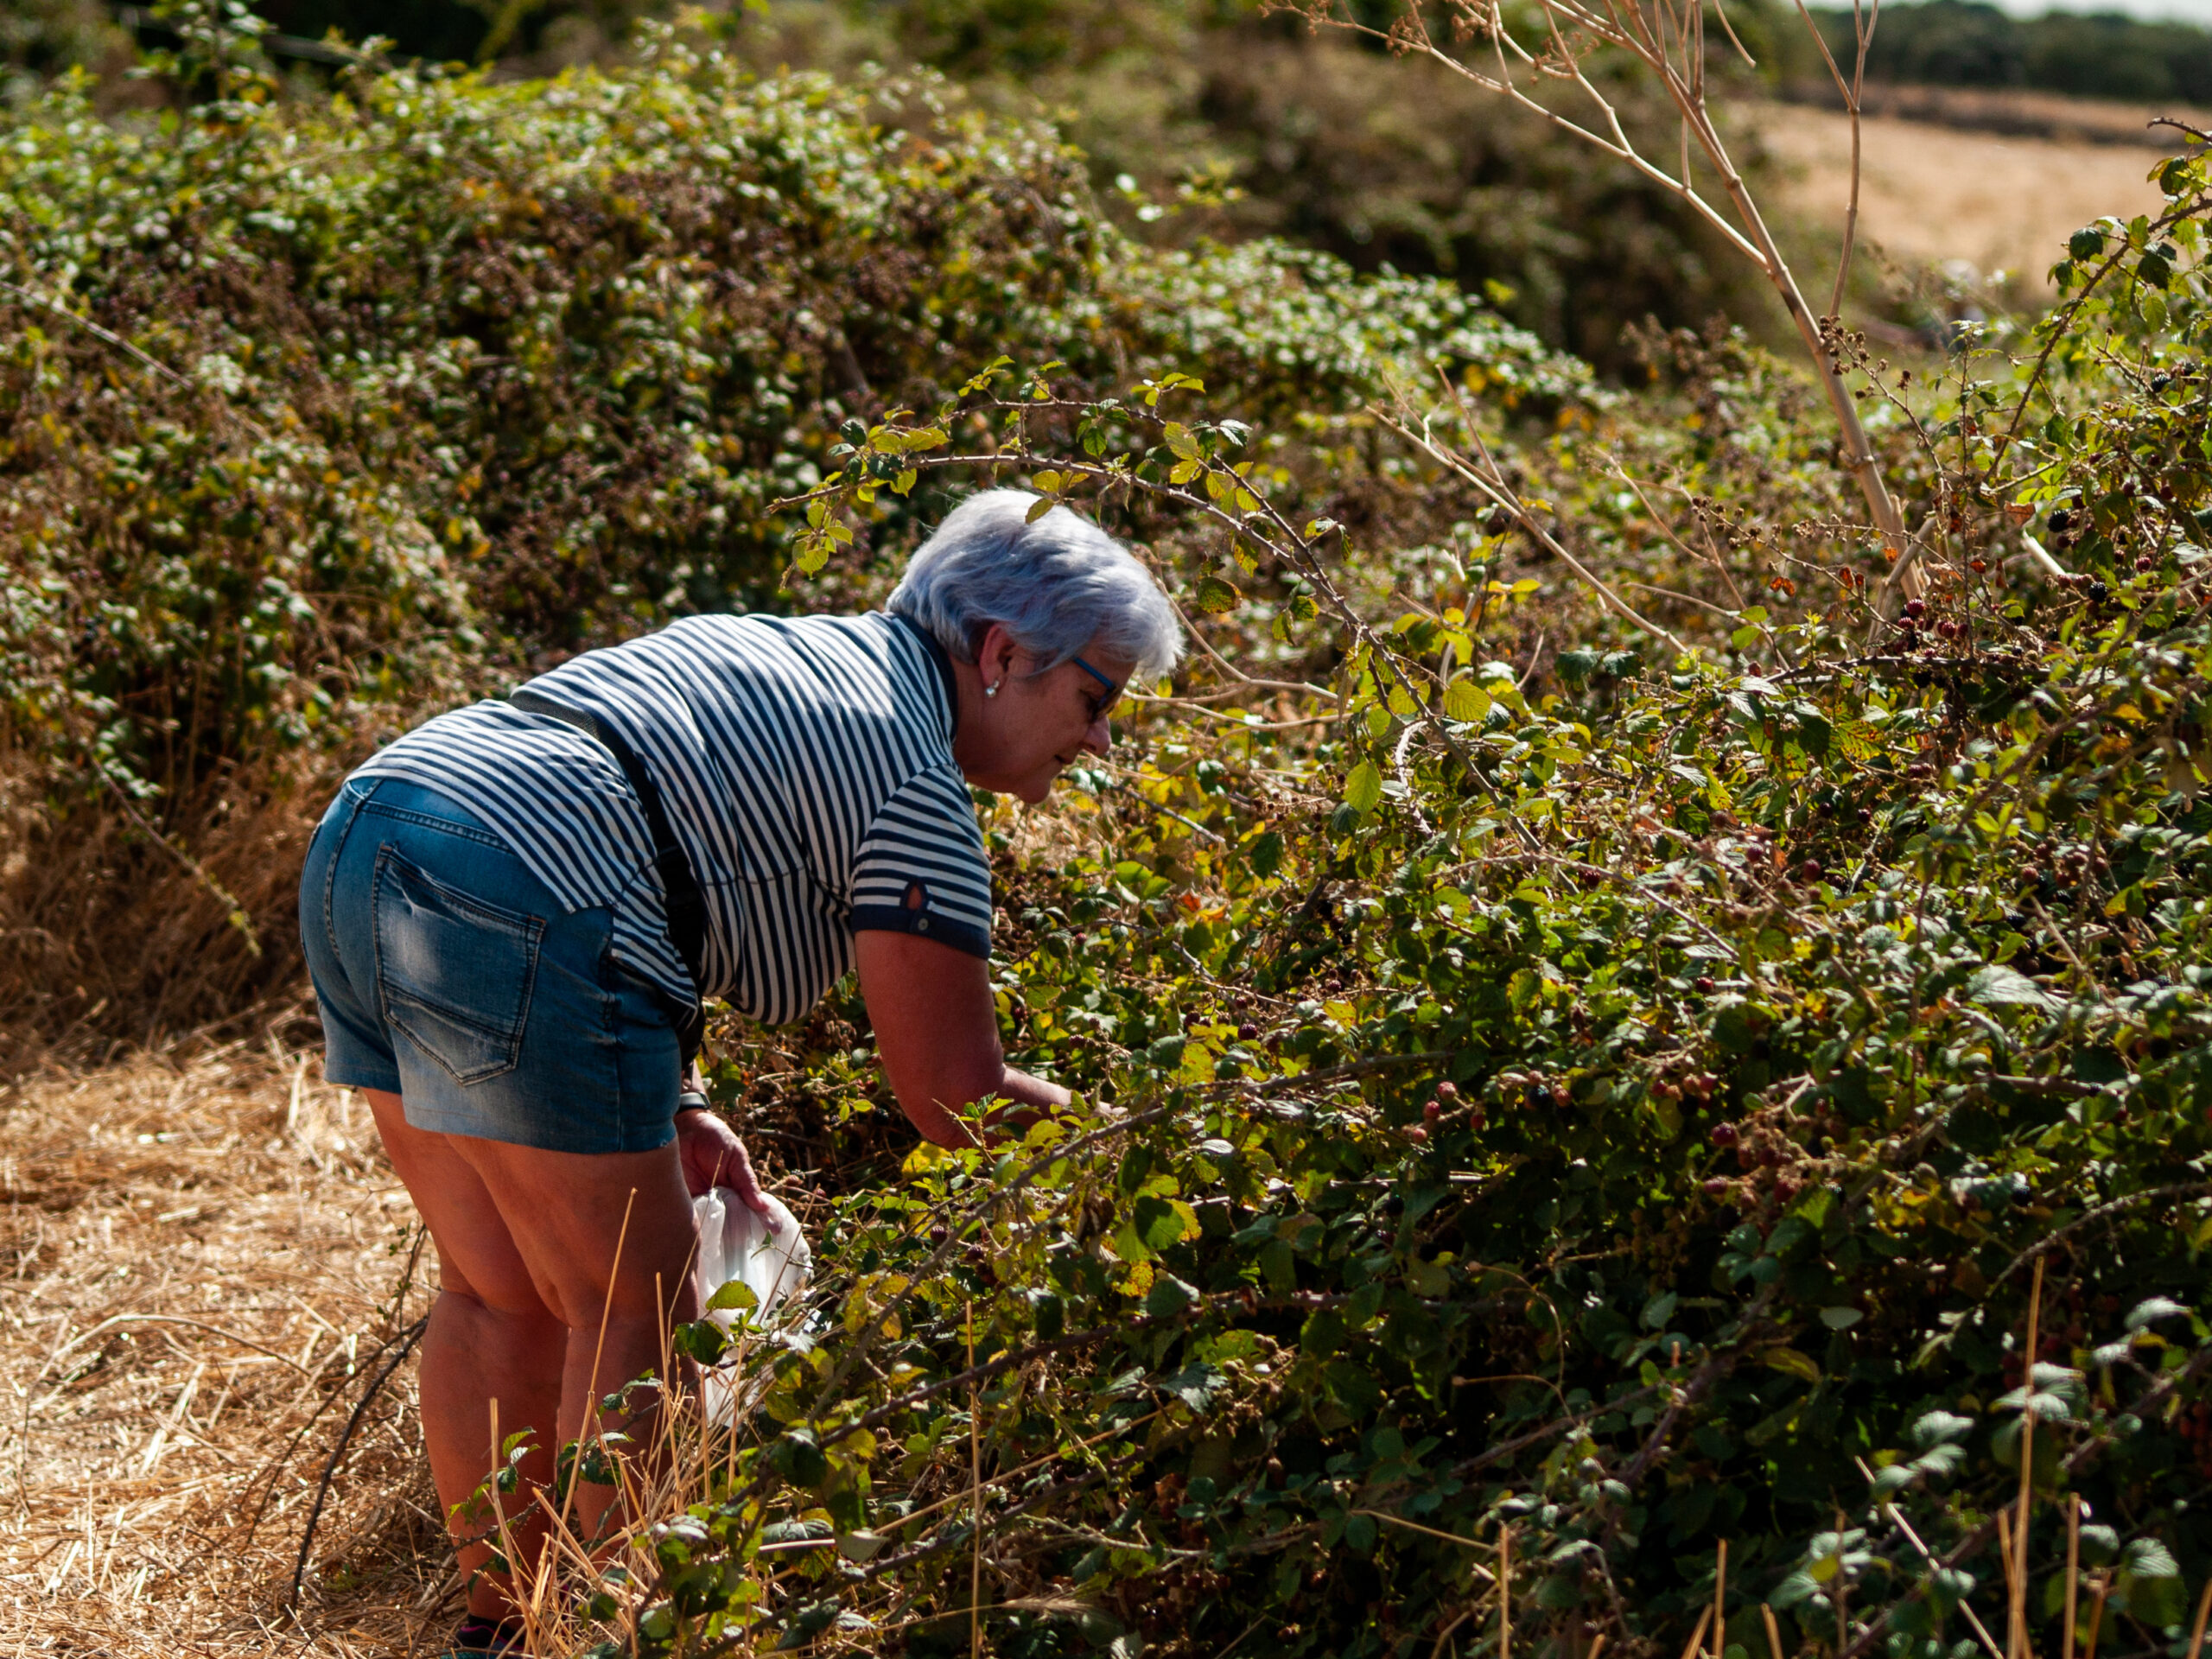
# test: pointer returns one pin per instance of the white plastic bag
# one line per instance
(735, 1244)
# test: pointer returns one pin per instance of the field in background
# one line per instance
(1930, 194)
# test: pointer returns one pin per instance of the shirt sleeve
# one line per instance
(921, 868)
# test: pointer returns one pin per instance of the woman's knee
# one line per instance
(510, 1325)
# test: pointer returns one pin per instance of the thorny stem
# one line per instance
(1676, 57)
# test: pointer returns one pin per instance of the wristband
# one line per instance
(690, 1100)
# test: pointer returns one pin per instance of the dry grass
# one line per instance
(1930, 194)
(200, 1258)
(104, 931)
(204, 1259)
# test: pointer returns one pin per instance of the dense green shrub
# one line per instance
(319, 412)
(1629, 1107)
(1244, 124)
(1782, 1001)
(1230, 124)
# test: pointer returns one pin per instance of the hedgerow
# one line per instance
(1570, 1077)
(1573, 1155)
(321, 411)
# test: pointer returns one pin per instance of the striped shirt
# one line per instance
(806, 766)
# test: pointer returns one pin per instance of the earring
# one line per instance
(992, 689)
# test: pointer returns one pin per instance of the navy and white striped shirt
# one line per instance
(805, 765)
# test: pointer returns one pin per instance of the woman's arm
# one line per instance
(938, 1034)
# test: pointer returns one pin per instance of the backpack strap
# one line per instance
(686, 906)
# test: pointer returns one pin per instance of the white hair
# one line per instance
(1059, 586)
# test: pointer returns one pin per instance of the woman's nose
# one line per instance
(1099, 739)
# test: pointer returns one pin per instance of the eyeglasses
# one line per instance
(1100, 707)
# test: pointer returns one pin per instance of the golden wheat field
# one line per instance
(1930, 194)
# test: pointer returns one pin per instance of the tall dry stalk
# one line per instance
(2016, 1637)
(1505, 1593)
(1720, 1603)
(1667, 37)
(2073, 1571)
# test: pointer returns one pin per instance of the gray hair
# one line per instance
(1057, 586)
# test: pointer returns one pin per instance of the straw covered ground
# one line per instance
(207, 1263)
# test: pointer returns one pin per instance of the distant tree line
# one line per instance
(1934, 42)
(1967, 43)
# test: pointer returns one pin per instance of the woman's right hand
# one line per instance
(713, 1156)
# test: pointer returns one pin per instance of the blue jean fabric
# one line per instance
(446, 973)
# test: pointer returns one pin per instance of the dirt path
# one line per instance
(1930, 194)
(200, 1264)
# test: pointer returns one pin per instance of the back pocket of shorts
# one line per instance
(454, 973)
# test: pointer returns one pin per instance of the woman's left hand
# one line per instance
(714, 1156)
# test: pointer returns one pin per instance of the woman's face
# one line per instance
(1018, 738)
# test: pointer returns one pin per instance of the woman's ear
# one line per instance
(995, 656)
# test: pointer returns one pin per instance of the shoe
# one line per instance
(486, 1638)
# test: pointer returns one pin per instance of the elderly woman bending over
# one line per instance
(513, 913)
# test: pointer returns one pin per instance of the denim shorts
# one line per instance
(447, 974)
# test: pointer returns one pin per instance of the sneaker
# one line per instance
(486, 1638)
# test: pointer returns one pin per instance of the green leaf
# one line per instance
(2144, 1313)
(1576, 666)
(2151, 1580)
(2087, 242)
(1157, 1223)
(1792, 1361)
(1465, 700)
(1169, 1295)
(1363, 787)
(1354, 1386)
(1940, 1428)
(1324, 1333)
(1522, 989)
(798, 1458)
(1998, 985)
(733, 1293)
(1214, 596)
(1050, 1317)
(1266, 854)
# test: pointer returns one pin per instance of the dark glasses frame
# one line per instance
(1100, 707)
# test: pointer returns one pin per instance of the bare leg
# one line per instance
(527, 1248)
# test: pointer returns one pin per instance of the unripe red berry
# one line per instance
(1447, 1091)
(1432, 1111)
(1416, 1134)
(1724, 1135)
(1704, 983)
